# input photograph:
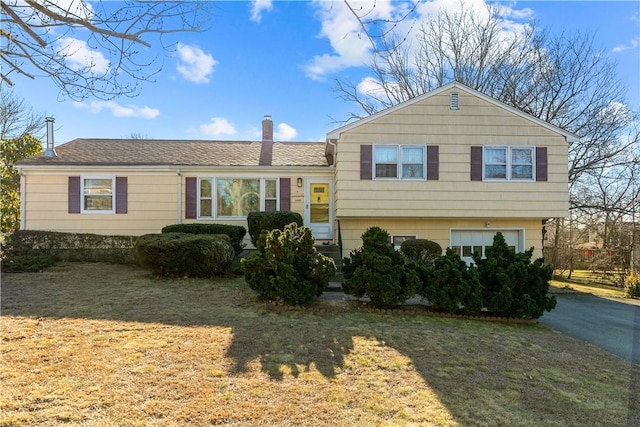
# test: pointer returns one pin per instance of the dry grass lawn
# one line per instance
(106, 345)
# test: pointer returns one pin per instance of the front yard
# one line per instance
(98, 344)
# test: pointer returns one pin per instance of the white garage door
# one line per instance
(467, 242)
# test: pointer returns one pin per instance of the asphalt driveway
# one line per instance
(610, 324)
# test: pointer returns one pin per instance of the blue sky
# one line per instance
(281, 58)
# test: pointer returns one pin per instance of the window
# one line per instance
(97, 194)
(396, 241)
(236, 197)
(270, 195)
(465, 243)
(399, 161)
(508, 163)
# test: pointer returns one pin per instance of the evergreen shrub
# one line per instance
(512, 285)
(450, 285)
(257, 222)
(288, 269)
(185, 254)
(235, 232)
(421, 250)
(378, 271)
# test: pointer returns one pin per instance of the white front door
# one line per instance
(319, 209)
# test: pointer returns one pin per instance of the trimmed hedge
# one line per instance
(257, 222)
(34, 245)
(235, 232)
(185, 254)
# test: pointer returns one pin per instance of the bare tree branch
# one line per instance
(98, 49)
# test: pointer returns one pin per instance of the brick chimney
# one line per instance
(266, 151)
(267, 128)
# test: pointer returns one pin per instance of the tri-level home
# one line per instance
(452, 165)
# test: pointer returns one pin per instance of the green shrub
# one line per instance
(378, 271)
(632, 284)
(185, 254)
(288, 269)
(31, 262)
(60, 246)
(257, 222)
(512, 285)
(421, 250)
(449, 285)
(235, 232)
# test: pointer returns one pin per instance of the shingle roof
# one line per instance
(144, 152)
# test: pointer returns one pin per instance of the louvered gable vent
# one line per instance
(454, 101)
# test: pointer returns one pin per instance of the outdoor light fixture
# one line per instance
(299, 182)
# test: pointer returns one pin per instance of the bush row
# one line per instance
(34, 250)
(173, 252)
(505, 283)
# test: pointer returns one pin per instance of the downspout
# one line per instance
(335, 151)
(179, 172)
(23, 200)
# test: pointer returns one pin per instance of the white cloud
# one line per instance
(79, 55)
(195, 65)
(217, 127)
(259, 6)
(285, 132)
(351, 47)
(634, 43)
(118, 110)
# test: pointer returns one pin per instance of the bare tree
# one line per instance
(99, 49)
(564, 80)
(18, 119)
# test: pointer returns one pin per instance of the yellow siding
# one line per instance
(437, 229)
(152, 204)
(431, 122)
(152, 199)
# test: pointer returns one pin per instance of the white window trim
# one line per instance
(263, 192)
(113, 195)
(214, 195)
(398, 176)
(509, 164)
